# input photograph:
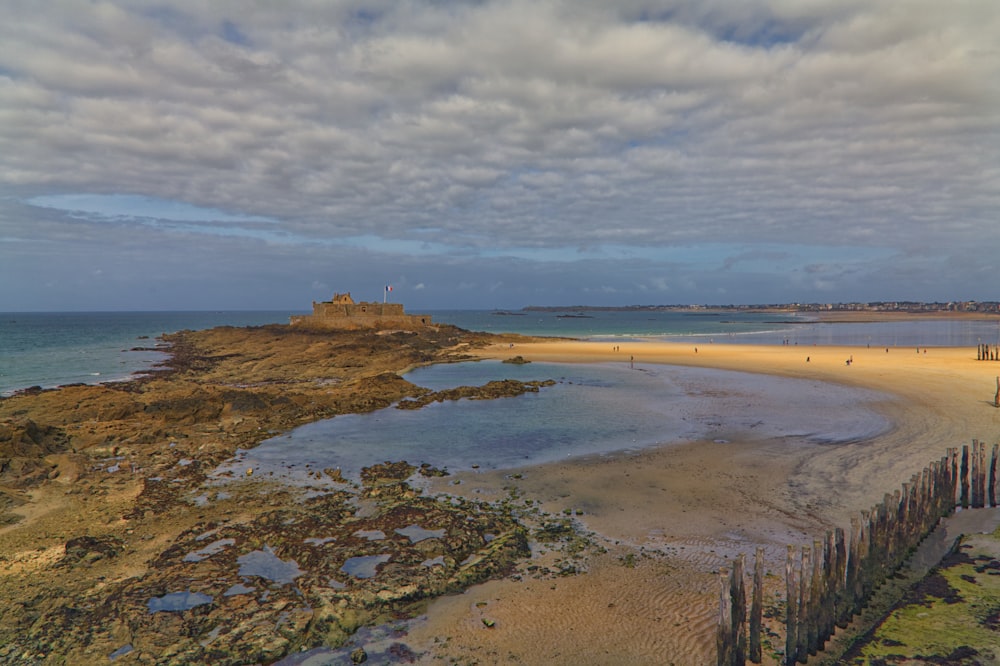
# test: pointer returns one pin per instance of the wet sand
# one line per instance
(669, 518)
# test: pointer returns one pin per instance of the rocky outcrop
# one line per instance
(23, 447)
(503, 388)
(137, 555)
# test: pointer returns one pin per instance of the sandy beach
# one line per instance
(668, 518)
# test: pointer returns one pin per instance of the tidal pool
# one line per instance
(364, 566)
(178, 601)
(266, 564)
(592, 409)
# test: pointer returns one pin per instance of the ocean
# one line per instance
(54, 349)
(51, 349)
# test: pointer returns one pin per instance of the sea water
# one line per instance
(726, 326)
(51, 349)
(54, 349)
(592, 409)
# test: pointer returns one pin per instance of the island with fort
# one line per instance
(342, 312)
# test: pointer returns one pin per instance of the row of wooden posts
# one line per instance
(829, 582)
(988, 353)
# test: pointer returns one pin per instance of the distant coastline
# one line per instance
(826, 313)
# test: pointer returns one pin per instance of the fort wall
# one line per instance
(342, 312)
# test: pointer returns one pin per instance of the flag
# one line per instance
(388, 288)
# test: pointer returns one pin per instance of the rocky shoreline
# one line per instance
(113, 542)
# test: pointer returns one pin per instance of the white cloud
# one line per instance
(516, 126)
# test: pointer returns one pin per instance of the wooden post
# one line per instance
(842, 599)
(757, 607)
(806, 628)
(993, 475)
(816, 596)
(926, 517)
(738, 595)
(954, 477)
(723, 636)
(996, 398)
(974, 474)
(964, 476)
(983, 476)
(791, 609)
(829, 582)
(851, 575)
(861, 568)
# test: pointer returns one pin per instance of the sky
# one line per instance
(182, 155)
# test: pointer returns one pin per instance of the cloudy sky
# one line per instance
(261, 155)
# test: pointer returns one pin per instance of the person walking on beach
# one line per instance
(630, 361)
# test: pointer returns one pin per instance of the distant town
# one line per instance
(984, 307)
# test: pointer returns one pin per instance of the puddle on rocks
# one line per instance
(178, 601)
(415, 533)
(318, 541)
(209, 550)
(265, 564)
(120, 652)
(371, 535)
(239, 588)
(364, 566)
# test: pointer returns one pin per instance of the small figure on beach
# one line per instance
(807, 359)
(631, 360)
(695, 350)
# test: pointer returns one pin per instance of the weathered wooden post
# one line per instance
(853, 561)
(791, 609)
(738, 596)
(954, 476)
(974, 473)
(996, 398)
(842, 599)
(926, 517)
(964, 476)
(757, 607)
(816, 595)
(993, 475)
(864, 554)
(723, 636)
(806, 628)
(983, 476)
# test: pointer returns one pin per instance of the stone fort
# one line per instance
(342, 312)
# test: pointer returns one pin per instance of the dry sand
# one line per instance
(670, 517)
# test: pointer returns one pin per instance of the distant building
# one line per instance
(342, 312)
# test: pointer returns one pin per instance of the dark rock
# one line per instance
(90, 549)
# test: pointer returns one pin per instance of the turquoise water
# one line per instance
(728, 326)
(50, 349)
(53, 349)
(605, 324)
(592, 409)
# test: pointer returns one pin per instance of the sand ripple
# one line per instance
(656, 611)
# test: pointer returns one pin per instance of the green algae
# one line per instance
(952, 616)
